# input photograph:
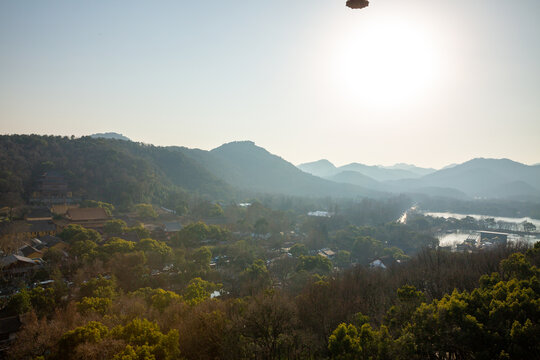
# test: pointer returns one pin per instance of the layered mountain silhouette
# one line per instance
(324, 168)
(411, 168)
(477, 178)
(109, 169)
(484, 178)
(250, 167)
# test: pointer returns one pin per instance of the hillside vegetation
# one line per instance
(125, 173)
(115, 171)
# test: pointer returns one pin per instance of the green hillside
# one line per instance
(250, 167)
(115, 171)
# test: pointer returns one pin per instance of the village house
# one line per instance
(41, 213)
(493, 237)
(62, 209)
(31, 252)
(41, 228)
(20, 231)
(171, 228)
(19, 266)
(383, 262)
(93, 218)
(377, 264)
(327, 253)
(53, 242)
(35, 248)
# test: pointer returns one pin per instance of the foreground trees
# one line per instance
(358, 314)
(497, 320)
(139, 339)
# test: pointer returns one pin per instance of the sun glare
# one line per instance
(386, 63)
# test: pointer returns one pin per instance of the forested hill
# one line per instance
(124, 172)
(116, 171)
(253, 168)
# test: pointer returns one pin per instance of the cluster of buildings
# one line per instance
(26, 241)
(29, 257)
(483, 240)
(30, 238)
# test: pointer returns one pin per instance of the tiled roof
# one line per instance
(50, 240)
(172, 226)
(42, 226)
(27, 250)
(39, 212)
(81, 214)
(12, 259)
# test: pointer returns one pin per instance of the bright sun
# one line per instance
(386, 63)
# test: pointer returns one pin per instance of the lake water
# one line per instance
(516, 221)
(457, 237)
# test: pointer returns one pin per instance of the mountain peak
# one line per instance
(320, 168)
(492, 162)
(322, 162)
(244, 144)
(110, 135)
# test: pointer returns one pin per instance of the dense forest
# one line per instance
(115, 171)
(229, 292)
(439, 305)
(126, 173)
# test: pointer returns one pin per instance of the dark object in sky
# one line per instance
(357, 4)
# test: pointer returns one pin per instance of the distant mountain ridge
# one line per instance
(321, 168)
(476, 178)
(324, 168)
(412, 168)
(251, 167)
(357, 178)
(379, 173)
(112, 170)
(487, 178)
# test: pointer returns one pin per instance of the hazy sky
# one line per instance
(428, 82)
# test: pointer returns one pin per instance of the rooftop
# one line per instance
(172, 226)
(50, 240)
(80, 214)
(12, 259)
(39, 213)
(42, 226)
(28, 250)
